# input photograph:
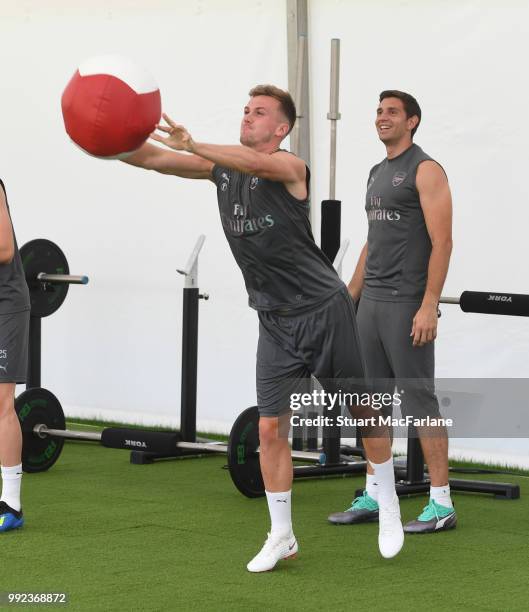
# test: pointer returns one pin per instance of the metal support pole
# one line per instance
(297, 26)
(338, 260)
(330, 229)
(188, 401)
(334, 115)
(298, 97)
(331, 209)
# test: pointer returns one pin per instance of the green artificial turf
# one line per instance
(176, 535)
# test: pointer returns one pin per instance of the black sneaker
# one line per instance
(9, 518)
(434, 517)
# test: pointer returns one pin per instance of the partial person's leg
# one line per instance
(278, 368)
(10, 432)
(378, 369)
(338, 364)
(434, 444)
(377, 444)
(414, 368)
(439, 513)
(365, 508)
(10, 460)
(14, 336)
(276, 467)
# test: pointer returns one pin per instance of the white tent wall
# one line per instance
(113, 349)
(462, 61)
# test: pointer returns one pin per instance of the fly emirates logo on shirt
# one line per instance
(247, 226)
(376, 212)
(235, 217)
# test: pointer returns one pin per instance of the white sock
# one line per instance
(280, 508)
(11, 481)
(441, 495)
(385, 478)
(372, 486)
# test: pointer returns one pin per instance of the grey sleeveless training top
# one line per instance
(269, 234)
(14, 293)
(398, 244)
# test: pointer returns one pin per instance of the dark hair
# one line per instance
(286, 103)
(411, 106)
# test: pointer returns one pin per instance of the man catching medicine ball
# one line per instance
(306, 316)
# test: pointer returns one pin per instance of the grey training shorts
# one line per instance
(323, 342)
(391, 359)
(14, 340)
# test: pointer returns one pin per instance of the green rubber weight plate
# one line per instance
(33, 407)
(42, 255)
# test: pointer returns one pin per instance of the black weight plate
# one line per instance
(42, 255)
(33, 407)
(243, 458)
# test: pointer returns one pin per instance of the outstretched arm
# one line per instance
(151, 157)
(281, 166)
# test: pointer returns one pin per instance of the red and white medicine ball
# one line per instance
(110, 106)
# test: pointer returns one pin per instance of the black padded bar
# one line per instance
(331, 212)
(312, 471)
(161, 442)
(500, 490)
(188, 402)
(486, 302)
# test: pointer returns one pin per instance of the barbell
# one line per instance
(44, 432)
(488, 302)
(44, 427)
(47, 276)
(243, 459)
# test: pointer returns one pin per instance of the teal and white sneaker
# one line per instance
(364, 509)
(9, 518)
(434, 517)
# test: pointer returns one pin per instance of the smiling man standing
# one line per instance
(399, 277)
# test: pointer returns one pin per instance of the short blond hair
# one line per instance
(286, 103)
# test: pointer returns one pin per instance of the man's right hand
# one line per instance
(357, 280)
(354, 292)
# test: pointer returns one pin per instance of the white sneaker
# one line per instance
(276, 547)
(390, 531)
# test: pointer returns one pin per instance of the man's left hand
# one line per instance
(424, 327)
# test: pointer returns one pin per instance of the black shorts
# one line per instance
(14, 345)
(323, 342)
